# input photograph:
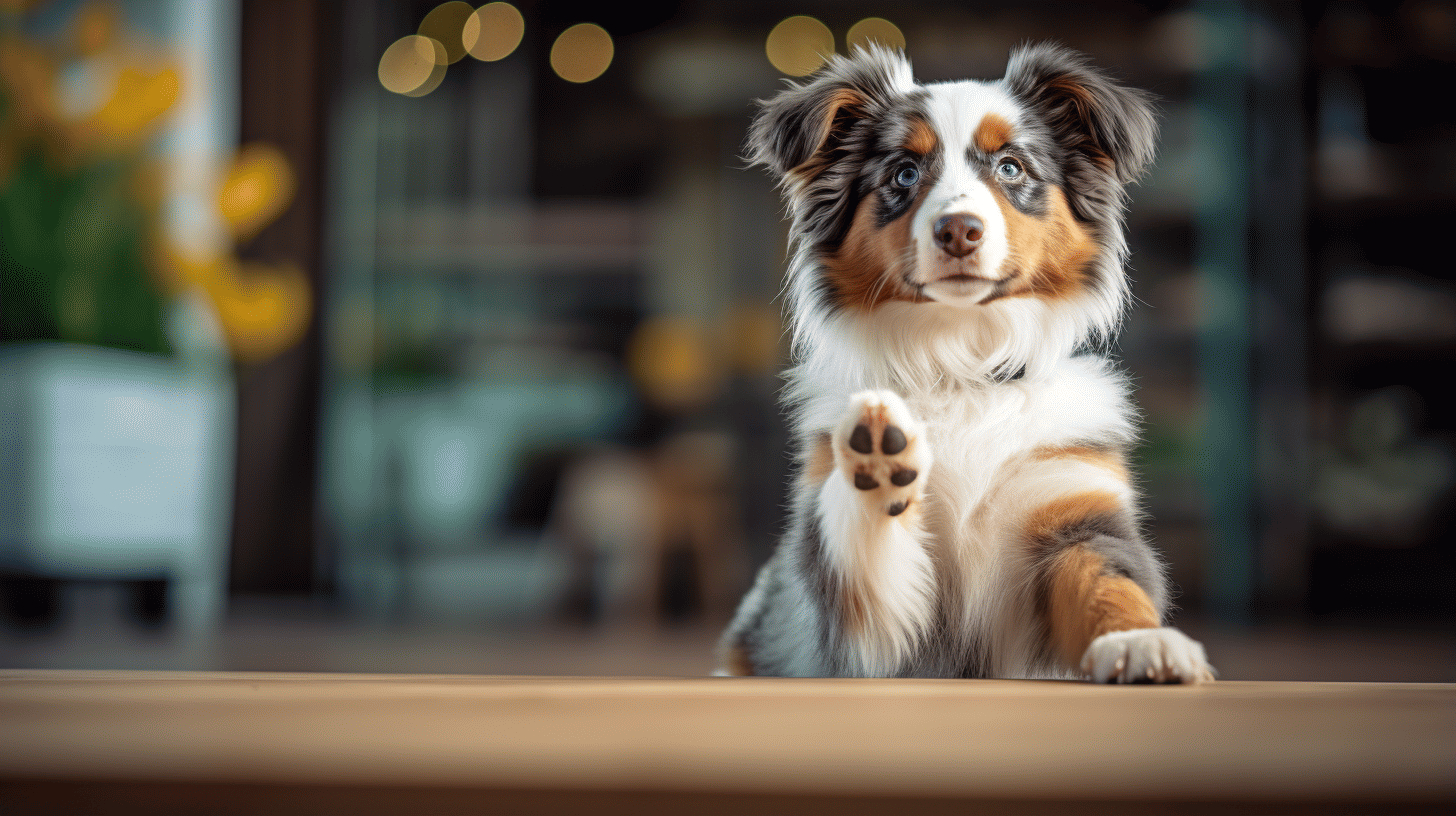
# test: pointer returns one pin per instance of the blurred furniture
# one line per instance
(651, 536)
(232, 743)
(415, 481)
(116, 465)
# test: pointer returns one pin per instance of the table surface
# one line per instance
(993, 740)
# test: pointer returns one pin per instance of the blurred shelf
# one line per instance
(492, 239)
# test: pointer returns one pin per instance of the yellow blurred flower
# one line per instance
(257, 189)
(138, 101)
(263, 309)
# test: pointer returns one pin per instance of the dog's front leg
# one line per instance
(1102, 588)
(881, 579)
(1106, 624)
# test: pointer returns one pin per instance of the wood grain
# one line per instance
(1003, 741)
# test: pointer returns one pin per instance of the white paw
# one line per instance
(880, 449)
(1163, 655)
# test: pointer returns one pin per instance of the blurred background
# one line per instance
(409, 336)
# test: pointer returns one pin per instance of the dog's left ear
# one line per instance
(1089, 113)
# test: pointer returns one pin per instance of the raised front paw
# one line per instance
(1163, 655)
(880, 449)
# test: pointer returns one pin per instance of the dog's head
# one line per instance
(978, 196)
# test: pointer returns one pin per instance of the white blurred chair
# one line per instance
(116, 465)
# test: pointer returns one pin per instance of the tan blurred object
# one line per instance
(95, 27)
(621, 515)
(670, 360)
(117, 742)
(752, 338)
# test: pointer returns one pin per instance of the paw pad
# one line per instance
(893, 441)
(879, 450)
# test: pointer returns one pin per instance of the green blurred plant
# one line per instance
(76, 219)
(74, 264)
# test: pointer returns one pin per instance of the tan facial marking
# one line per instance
(864, 269)
(993, 133)
(1110, 460)
(922, 139)
(1085, 602)
(1051, 253)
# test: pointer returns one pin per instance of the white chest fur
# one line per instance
(981, 434)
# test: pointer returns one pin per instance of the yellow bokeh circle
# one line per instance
(582, 53)
(798, 45)
(413, 65)
(444, 24)
(876, 30)
(493, 31)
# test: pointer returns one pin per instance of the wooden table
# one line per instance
(225, 743)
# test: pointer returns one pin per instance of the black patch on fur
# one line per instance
(1118, 525)
(1040, 159)
(900, 478)
(977, 660)
(1008, 375)
(893, 441)
(823, 588)
(864, 481)
(860, 440)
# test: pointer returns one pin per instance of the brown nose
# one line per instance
(958, 234)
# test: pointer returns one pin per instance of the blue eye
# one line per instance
(907, 176)
(1009, 170)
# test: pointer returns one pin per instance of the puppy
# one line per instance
(963, 506)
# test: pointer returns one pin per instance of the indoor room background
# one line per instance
(409, 336)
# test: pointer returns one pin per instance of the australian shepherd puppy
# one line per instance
(963, 506)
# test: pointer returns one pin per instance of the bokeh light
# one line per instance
(412, 65)
(798, 45)
(671, 360)
(445, 25)
(256, 189)
(582, 53)
(493, 31)
(874, 30)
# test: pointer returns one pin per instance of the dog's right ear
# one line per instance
(804, 128)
